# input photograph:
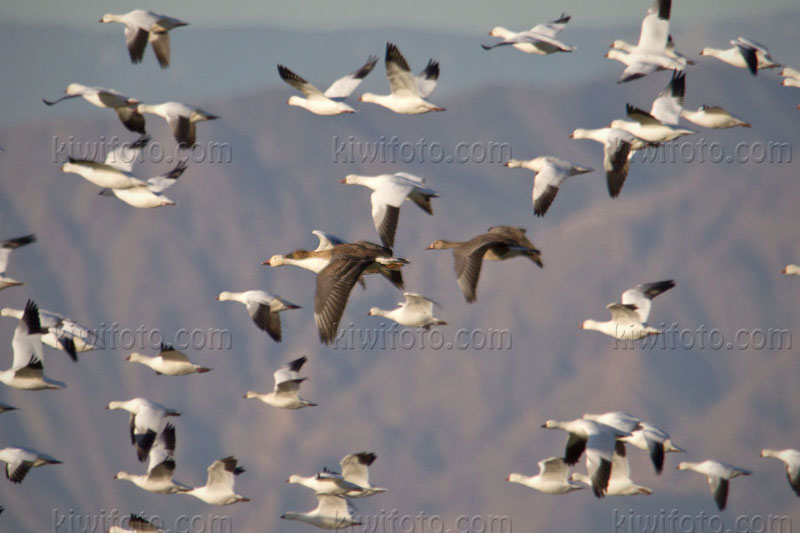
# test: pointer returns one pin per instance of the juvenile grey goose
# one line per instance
(499, 243)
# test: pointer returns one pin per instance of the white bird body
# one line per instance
(620, 483)
(332, 512)
(218, 489)
(325, 482)
(618, 147)
(792, 270)
(648, 128)
(416, 312)
(27, 368)
(59, 330)
(713, 117)
(549, 174)
(355, 469)
(106, 99)
(791, 459)
(142, 26)
(147, 421)
(654, 440)
(285, 394)
(540, 40)
(180, 117)
(20, 460)
(628, 318)
(169, 361)
(6, 247)
(389, 193)
(717, 474)
(262, 307)
(406, 97)
(321, 103)
(553, 477)
(743, 53)
(598, 441)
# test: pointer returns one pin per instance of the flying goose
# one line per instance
(321, 103)
(713, 117)
(553, 477)
(218, 489)
(668, 104)
(332, 512)
(326, 482)
(406, 97)
(287, 386)
(389, 193)
(629, 318)
(549, 173)
(624, 422)
(646, 127)
(27, 369)
(541, 39)
(598, 440)
(791, 270)
(316, 260)
(125, 106)
(136, 524)
(743, 53)
(6, 247)
(668, 108)
(169, 361)
(20, 460)
(669, 50)
(148, 195)
(52, 328)
(618, 147)
(650, 54)
(355, 469)
(116, 170)
(792, 460)
(334, 282)
(263, 309)
(718, 474)
(180, 117)
(147, 421)
(498, 244)
(161, 466)
(620, 483)
(415, 312)
(654, 440)
(142, 26)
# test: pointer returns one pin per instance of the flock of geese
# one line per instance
(339, 265)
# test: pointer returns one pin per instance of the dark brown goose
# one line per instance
(346, 264)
